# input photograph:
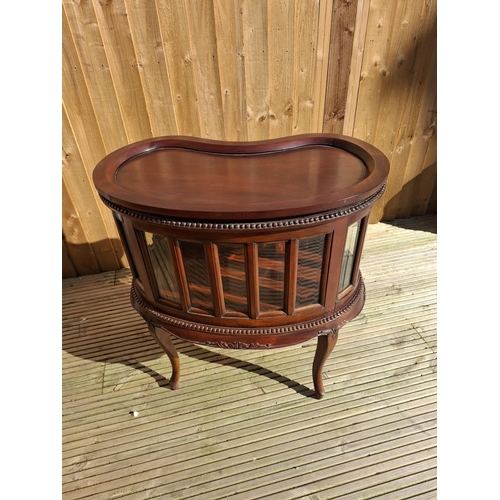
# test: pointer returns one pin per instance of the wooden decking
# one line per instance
(244, 424)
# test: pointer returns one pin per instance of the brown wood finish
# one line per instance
(291, 198)
(252, 279)
(326, 343)
(291, 276)
(163, 339)
(215, 278)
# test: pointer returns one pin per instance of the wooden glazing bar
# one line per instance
(336, 256)
(325, 268)
(180, 286)
(134, 238)
(291, 265)
(214, 272)
(179, 264)
(360, 238)
(252, 271)
(121, 232)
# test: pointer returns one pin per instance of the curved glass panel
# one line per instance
(198, 279)
(310, 264)
(163, 267)
(349, 256)
(234, 282)
(271, 276)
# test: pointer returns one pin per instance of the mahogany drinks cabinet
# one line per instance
(244, 245)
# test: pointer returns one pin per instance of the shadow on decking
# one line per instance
(416, 223)
(201, 353)
(141, 347)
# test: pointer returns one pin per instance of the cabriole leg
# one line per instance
(326, 342)
(163, 339)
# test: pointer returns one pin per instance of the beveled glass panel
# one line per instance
(234, 282)
(349, 255)
(310, 264)
(198, 279)
(126, 247)
(271, 276)
(163, 267)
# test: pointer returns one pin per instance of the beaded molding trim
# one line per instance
(301, 221)
(189, 325)
(238, 345)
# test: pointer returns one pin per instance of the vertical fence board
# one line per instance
(305, 44)
(152, 67)
(323, 53)
(281, 75)
(79, 249)
(90, 46)
(358, 48)
(78, 103)
(177, 48)
(229, 35)
(201, 21)
(433, 198)
(394, 67)
(412, 193)
(377, 42)
(393, 82)
(339, 65)
(79, 189)
(115, 31)
(255, 47)
(409, 62)
(424, 193)
(68, 269)
(81, 130)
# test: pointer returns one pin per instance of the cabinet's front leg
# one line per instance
(326, 342)
(163, 339)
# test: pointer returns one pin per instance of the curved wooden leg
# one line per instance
(326, 343)
(163, 339)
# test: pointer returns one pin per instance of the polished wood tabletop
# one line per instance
(187, 177)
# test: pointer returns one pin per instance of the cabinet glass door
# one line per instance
(272, 276)
(162, 263)
(349, 256)
(310, 265)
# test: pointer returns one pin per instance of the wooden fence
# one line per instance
(242, 70)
